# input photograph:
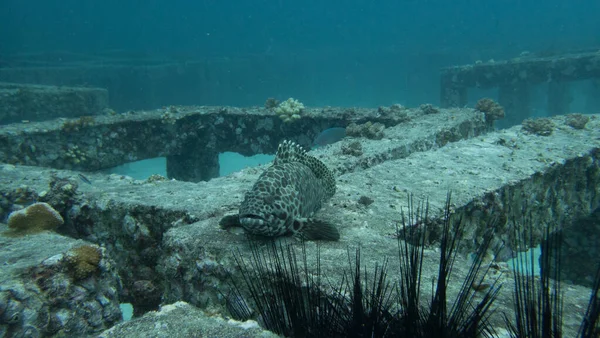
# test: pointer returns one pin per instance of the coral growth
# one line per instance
(35, 218)
(542, 126)
(290, 110)
(83, 261)
(369, 130)
(169, 116)
(395, 112)
(76, 125)
(577, 121)
(492, 109)
(75, 155)
(156, 178)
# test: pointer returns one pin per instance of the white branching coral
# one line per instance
(289, 110)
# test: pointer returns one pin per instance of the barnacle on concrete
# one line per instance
(396, 111)
(289, 110)
(35, 218)
(156, 178)
(75, 155)
(83, 261)
(542, 126)
(76, 125)
(577, 121)
(169, 115)
(491, 109)
(369, 130)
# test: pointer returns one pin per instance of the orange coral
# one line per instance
(83, 261)
(35, 218)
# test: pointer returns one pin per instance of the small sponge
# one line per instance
(35, 218)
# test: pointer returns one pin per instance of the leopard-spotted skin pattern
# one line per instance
(288, 192)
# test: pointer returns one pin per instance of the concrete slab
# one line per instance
(167, 232)
(40, 296)
(190, 136)
(529, 69)
(184, 320)
(514, 77)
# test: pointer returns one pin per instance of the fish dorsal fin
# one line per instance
(290, 152)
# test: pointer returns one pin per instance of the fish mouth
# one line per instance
(251, 220)
(252, 216)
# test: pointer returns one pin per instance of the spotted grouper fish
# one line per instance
(286, 196)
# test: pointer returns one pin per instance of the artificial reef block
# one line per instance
(181, 319)
(39, 297)
(169, 229)
(100, 142)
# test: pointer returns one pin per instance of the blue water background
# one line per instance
(350, 52)
(338, 53)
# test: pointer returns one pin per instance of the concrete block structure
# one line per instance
(514, 79)
(163, 237)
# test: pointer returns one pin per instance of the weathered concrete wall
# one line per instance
(515, 76)
(166, 237)
(39, 297)
(184, 320)
(531, 70)
(186, 133)
(580, 242)
(19, 102)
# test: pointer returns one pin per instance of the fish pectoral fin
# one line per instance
(230, 221)
(314, 229)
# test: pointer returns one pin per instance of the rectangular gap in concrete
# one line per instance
(231, 162)
(141, 170)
